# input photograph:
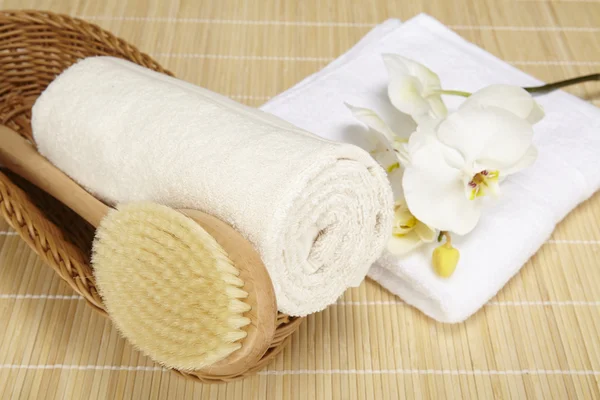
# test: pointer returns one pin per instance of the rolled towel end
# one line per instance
(334, 226)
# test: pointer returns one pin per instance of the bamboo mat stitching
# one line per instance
(319, 371)
(333, 24)
(329, 59)
(520, 303)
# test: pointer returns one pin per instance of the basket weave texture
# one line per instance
(34, 48)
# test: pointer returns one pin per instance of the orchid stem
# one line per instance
(445, 234)
(455, 93)
(536, 89)
(448, 238)
(557, 85)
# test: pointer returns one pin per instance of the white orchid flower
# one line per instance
(391, 153)
(408, 232)
(456, 163)
(511, 98)
(414, 89)
(388, 147)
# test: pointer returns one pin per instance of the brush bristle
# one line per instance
(169, 286)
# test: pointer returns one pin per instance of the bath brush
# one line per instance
(181, 285)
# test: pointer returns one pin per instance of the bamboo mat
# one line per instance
(538, 338)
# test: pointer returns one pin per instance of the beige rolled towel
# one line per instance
(318, 212)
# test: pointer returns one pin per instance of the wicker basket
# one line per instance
(35, 47)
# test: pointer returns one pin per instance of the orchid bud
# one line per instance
(445, 258)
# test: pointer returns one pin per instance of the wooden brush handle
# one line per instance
(22, 158)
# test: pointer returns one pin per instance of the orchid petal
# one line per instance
(400, 245)
(401, 152)
(398, 66)
(434, 192)
(395, 178)
(537, 113)
(405, 94)
(425, 133)
(438, 108)
(426, 233)
(491, 136)
(414, 88)
(386, 159)
(510, 98)
(526, 161)
(375, 123)
(492, 186)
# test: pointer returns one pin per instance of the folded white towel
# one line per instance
(533, 201)
(319, 212)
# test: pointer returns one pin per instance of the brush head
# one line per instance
(169, 287)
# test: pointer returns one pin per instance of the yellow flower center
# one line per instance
(483, 182)
(392, 167)
(404, 221)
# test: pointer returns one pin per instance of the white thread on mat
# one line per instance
(457, 372)
(545, 303)
(524, 28)
(265, 98)
(235, 96)
(40, 297)
(248, 97)
(556, 1)
(324, 23)
(566, 241)
(329, 59)
(231, 21)
(242, 57)
(370, 303)
(491, 303)
(85, 367)
(342, 303)
(557, 62)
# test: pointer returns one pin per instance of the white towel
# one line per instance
(533, 201)
(318, 212)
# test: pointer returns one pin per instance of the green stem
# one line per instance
(536, 89)
(557, 85)
(448, 239)
(440, 236)
(454, 93)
